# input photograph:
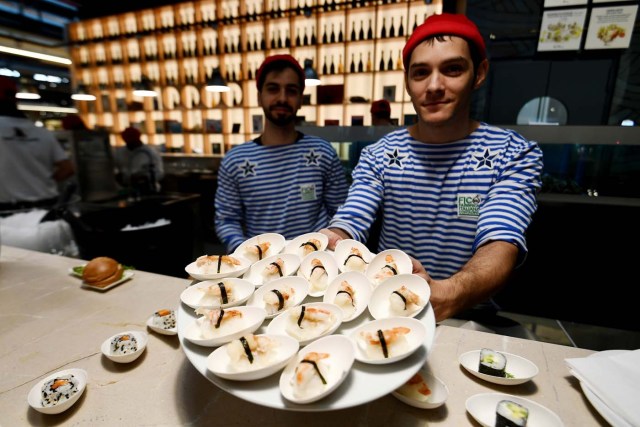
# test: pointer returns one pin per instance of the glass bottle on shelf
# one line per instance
(401, 28)
(325, 68)
(360, 64)
(369, 63)
(370, 31)
(361, 34)
(352, 67)
(238, 45)
(313, 36)
(325, 39)
(287, 39)
(249, 44)
(399, 60)
(340, 65)
(415, 22)
(280, 44)
(390, 61)
(305, 40)
(273, 40)
(298, 34)
(353, 31)
(383, 30)
(381, 65)
(332, 38)
(392, 29)
(332, 68)
(340, 35)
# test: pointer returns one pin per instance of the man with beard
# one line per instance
(453, 192)
(283, 181)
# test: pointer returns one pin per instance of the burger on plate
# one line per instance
(102, 271)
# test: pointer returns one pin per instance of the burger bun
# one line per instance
(102, 271)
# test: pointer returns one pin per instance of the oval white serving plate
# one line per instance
(362, 288)
(256, 275)
(300, 290)
(341, 357)
(160, 330)
(219, 364)
(276, 244)
(414, 339)
(400, 258)
(329, 264)
(409, 395)
(522, 369)
(34, 398)
(194, 296)
(380, 304)
(482, 408)
(195, 272)
(252, 318)
(343, 250)
(288, 318)
(294, 246)
(141, 337)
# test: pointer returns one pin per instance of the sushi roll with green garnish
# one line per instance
(492, 363)
(511, 414)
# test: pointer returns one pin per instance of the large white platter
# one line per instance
(364, 383)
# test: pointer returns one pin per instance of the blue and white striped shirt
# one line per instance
(287, 189)
(440, 202)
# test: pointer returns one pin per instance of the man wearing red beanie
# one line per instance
(455, 193)
(381, 113)
(139, 166)
(282, 181)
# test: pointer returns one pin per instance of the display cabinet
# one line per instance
(355, 46)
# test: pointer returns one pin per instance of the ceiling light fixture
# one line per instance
(81, 94)
(310, 74)
(46, 108)
(144, 88)
(36, 55)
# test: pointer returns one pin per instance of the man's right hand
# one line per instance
(334, 235)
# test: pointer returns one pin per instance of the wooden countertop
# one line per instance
(50, 323)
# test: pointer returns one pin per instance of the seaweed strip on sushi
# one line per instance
(385, 343)
(511, 414)
(310, 374)
(220, 293)
(492, 363)
(250, 351)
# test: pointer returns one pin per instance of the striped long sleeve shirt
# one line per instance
(440, 202)
(288, 189)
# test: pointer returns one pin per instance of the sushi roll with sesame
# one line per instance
(59, 389)
(511, 414)
(124, 344)
(492, 363)
(164, 319)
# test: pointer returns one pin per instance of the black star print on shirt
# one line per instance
(312, 158)
(248, 168)
(395, 158)
(485, 160)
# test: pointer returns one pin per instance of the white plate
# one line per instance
(415, 337)
(603, 409)
(126, 275)
(255, 273)
(34, 398)
(194, 296)
(299, 285)
(330, 267)
(522, 369)
(194, 270)
(401, 259)
(294, 246)
(141, 338)
(289, 318)
(380, 305)
(482, 408)
(218, 362)
(276, 240)
(158, 329)
(409, 395)
(343, 250)
(339, 362)
(252, 318)
(361, 286)
(364, 384)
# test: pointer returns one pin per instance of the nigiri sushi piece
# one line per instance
(385, 343)
(257, 251)
(310, 245)
(318, 276)
(276, 300)
(214, 321)
(403, 300)
(416, 388)
(209, 264)
(220, 293)
(309, 322)
(274, 270)
(250, 352)
(355, 261)
(345, 299)
(390, 269)
(310, 376)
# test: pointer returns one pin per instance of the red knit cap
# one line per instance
(130, 134)
(280, 58)
(380, 106)
(445, 24)
(8, 88)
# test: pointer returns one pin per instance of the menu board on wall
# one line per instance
(562, 29)
(611, 27)
(558, 3)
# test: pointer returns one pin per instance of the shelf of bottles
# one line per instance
(355, 47)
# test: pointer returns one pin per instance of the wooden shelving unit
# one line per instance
(355, 46)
